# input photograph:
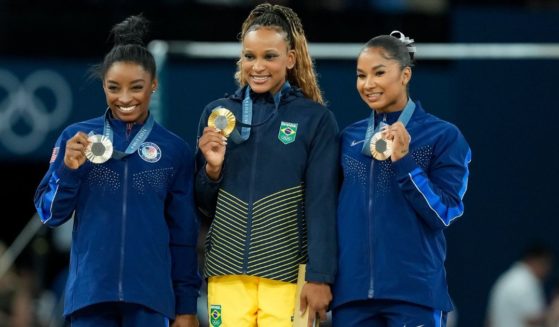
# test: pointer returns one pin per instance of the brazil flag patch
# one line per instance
(215, 315)
(287, 132)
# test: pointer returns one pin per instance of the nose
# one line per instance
(369, 82)
(124, 97)
(258, 65)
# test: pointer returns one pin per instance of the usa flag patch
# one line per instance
(54, 154)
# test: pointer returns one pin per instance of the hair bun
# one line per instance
(409, 43)
(131, 31)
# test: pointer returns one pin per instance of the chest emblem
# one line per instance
(287, 132)
(149, 152)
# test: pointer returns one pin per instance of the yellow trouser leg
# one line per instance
(247, 301)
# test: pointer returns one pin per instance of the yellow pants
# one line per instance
(248, 301)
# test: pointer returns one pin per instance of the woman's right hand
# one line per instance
(213, 145)
(74, 156)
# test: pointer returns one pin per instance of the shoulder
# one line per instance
(356, 126)
(306, 107)
(436, 126)
(172, 139)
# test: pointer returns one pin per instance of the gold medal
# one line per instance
(223, 120)
(381, 148)
(99, 149)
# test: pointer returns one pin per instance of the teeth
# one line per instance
(259, 78)
(130, 108)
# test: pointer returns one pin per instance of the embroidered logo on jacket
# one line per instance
(215, 315)
(150, 152)
(287, 132)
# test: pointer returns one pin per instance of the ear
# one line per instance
(154, 84)
(406, 76)
(291, 59)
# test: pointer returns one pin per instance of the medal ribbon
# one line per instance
(136, 141)
(246, 122)
(404, 118)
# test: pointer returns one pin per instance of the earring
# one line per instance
(153, 91)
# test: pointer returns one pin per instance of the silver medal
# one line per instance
(99, 149)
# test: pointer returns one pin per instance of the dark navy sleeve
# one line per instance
(183, 230)
(205, 188)
(437, 195)
(57, 194)
(321, 186)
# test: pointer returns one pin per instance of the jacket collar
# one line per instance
(291, 94)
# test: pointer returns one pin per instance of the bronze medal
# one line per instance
(223, 120)
(381, 148)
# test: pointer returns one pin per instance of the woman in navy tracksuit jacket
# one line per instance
(133, 255)
(272, 194)
(394, 206)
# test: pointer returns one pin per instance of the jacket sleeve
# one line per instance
(183, 230)
(436, 195)
(321, 190)
(205, 188)
(57, 194)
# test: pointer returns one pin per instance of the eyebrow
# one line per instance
(134, 81)
(265, 50)
(374, 68)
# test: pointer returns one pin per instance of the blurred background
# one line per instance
(506, 107)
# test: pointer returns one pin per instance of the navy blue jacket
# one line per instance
(275, 204)
(135, 227)
(391, 216)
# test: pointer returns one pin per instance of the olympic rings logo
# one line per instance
(29, 110)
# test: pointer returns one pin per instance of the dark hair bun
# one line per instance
(132, 30)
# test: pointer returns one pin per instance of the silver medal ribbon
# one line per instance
(100, 148)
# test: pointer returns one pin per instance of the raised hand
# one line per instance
(400, 138)
(74, 156)
(213, 144)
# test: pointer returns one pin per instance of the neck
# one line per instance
(397, 106)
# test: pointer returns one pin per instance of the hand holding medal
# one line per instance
(388, 141)
(213, 141)
(399, 139)
(74, 155)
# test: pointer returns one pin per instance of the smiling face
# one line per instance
(381, 82)
(265, 59)
(128, 88)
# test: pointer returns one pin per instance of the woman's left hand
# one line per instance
(315, 297)
(400, 138)
(185, 321)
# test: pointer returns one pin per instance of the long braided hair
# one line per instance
(285, 20)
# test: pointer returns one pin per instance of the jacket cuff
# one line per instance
(207, 178)
(186, 305)
(70, 177)
(318, 277)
